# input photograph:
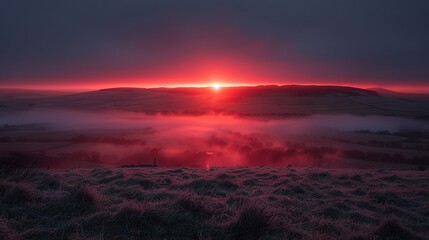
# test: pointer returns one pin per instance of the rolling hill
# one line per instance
(291, 100)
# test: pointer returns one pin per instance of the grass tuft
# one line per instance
(251, 222)
(82, 200)
(392, 229)
(320, 177)
(5, 232)
(20, 194)
(193, 206)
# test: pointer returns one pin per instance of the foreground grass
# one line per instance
(221, 203)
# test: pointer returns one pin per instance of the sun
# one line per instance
(216, 86)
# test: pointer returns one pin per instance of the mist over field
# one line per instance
(68, 119)
(214, 120)
(263, 162)
(123, 138)
(92, 175)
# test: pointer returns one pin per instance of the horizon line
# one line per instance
(222, 85)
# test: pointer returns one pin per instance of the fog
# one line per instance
(209, 140)
(125, 120)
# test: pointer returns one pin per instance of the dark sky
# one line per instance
(84, 43)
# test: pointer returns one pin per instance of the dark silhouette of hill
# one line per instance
(409, 96)
(270, 100)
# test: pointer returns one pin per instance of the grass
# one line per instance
(219, 203)
(251, 222)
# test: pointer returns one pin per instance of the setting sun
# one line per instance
(216, 86)
(214, 119)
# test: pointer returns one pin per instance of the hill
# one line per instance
(292, 100)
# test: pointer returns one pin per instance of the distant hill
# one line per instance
(18, 93)
(409, 96)
(290, 100)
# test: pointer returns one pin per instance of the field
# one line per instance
(214, 120)
(244, 163)
(213, 141)
(217, 203)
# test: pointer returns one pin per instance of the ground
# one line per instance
(217, 203)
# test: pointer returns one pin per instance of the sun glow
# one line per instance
(216, 86)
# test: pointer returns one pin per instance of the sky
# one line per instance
(151, 43)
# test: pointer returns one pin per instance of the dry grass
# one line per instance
(221, 203)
